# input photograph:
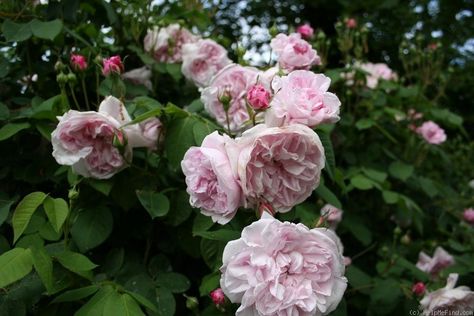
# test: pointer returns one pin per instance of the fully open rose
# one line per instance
(280, 165)
(202, 60)
(302, 97)
(294, 52)
(283, 269)
(433, 265)
(234, 80)
(211, 183)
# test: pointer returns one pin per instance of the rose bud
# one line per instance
(351, 23)
(258, 97)
(112, 65)
(218, 296)
(418, 288)
(78, 62)
(305, 30)
(468, 215)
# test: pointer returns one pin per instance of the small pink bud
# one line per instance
(305, 30)
(112, 65)
(432, 46)
(78, 62)
(265, 207)
(351, 23)
(469, 215)
(218, 296)
(347, 261)
(419, 288)
(258, 97)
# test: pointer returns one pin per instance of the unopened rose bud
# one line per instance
(351, 23)
(59, 66)
(71, 78)
(112, 65)
(397, 231)
(120, 141)
(273, 31)
(305, 30)
(468, 215)
(61, 78)
(73, 194)
(406, 240)
(78, 62)
(225, 99)
(218, 297)
(192, 303)
(418, 288)
(258, 97)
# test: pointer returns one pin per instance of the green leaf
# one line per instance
(400, 170)
(15, 264)
(211, 252)
(75, 262)
(180, 137)
(16, 32)
(96, 305)
(146, 115)
(44, 267)
(4, 111)
(428, 186)
(76, 294)
(328, 196)
(46, 30)
(385, 296)
(166, 302)
(330, 165)
(11, 129)
(103, 186)
(24, 211)
(209, 283)
(221, 234)
(175, 282)
(364, 124)
(121, 305)
(180, 208)
(200, 131)
(143, 301)
(156, 204)
(357, 278)
(375, 175)
(361, 182)
(174, 70)
(201, 223)
(390, 197)
(57, 211)
(5, 206)
(92, 227)
(357, 228)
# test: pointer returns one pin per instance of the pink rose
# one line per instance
(78, 62)
(468, 215)
(279, 165)
(302, 97)
(112, 65)
(211, 183)
(332, 215)
(258, 97)
(84, 140)
(441, 259)
(233, 80)
(375, 72)
(283, 269)
(449, 300)
(145, 133)
(418, 288)
(351, 23)
(165, 44)
(294, 52)
(432, 133)
(202, 60)
(139, 76)
(217, 296)
(305, 30)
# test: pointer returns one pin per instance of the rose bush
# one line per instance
(155, 162)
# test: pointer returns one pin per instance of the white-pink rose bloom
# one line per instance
(375, 72)
(283, 269)
(449, 300)
(441, 259)
(202, 60)
(302, 97)
(211, 183)
(84, 140)
(294, 52)
(140, 75)
(165, 44)
(332, 215)
(432, 133)
(279, 165)
(233, 80)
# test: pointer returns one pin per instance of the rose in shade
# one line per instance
(165, 44)
(432, 133)
(140, 75)
(449, 300)
(441, 259)
(84, 140)
(233, 81)
(211, 183)
(78, 62)
(294, 52)
(112, 65)
(283, 269)
(305, 30)
(302, 97)
(280, 166)
(202, 60)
